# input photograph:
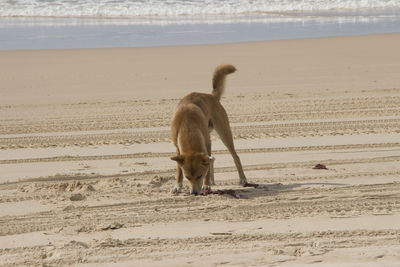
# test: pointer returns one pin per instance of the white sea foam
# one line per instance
(178, 8)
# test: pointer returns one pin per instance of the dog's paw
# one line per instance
(176, 190)
(206, 189)
(212, 182)
(243, 182)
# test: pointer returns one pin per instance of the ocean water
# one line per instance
(44, 24)
(176, 8)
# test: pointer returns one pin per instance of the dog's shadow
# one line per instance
(251, 191)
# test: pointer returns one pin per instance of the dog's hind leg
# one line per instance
(221, 125)
(236, 159)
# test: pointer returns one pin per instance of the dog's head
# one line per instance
(194, 168)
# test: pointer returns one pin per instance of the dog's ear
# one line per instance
(207, 159)
(178, 159)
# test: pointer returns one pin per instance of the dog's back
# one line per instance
(188, 110)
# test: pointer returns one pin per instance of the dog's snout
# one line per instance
(195, 191)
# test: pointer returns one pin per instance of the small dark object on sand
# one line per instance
(112, 226)
(221, 233)
(77, 197)
(251, 185)
(320, 167)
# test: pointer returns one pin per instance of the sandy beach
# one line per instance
(85, 174)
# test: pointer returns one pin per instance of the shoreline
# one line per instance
(200, 45)
(51, 33)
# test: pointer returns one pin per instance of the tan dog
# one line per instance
(196, 116)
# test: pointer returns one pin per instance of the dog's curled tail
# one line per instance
(218, 79)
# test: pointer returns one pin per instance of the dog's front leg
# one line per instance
(211, 171)
(207, 182)
(209, 179)
(179, 180)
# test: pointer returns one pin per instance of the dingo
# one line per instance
(196, 116)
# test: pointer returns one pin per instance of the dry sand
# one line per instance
(85, 175)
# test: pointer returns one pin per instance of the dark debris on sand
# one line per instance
(251, 185)
(229, 192)
(320, 167)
